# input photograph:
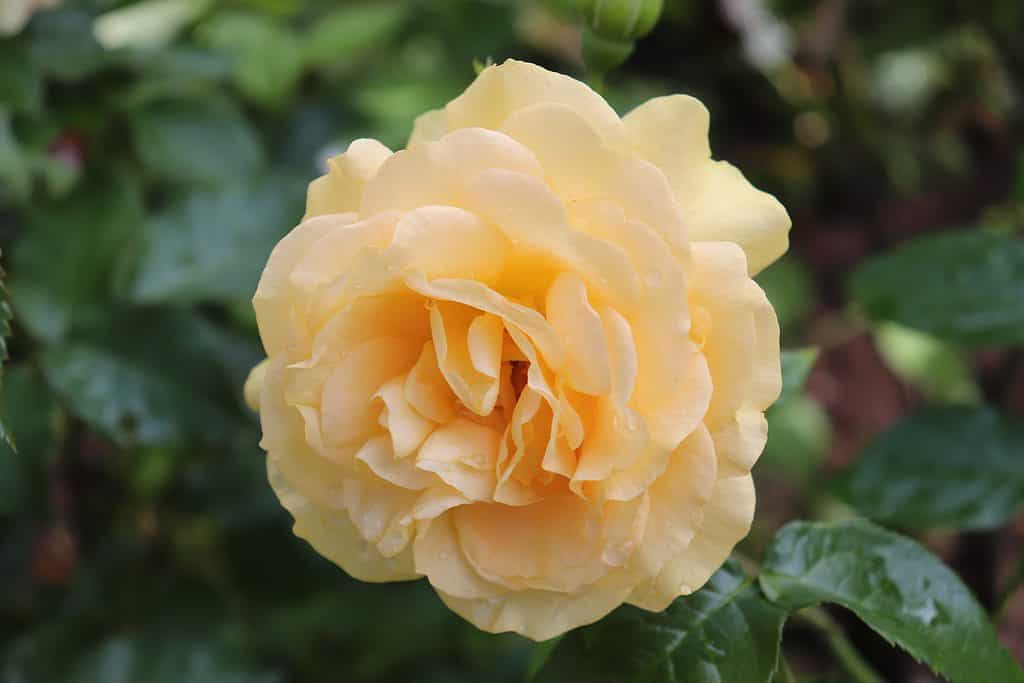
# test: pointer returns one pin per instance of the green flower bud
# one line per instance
(601, 54)
(623, 20)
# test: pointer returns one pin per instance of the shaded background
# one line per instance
(152, 153)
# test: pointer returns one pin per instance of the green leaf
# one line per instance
(896, 587)
(799, 435)
(724, 632)
(939, 370)
(214, 244)
(21, 86)
(176, 659)
(15, 171)
(943, 467)
(349, 32)
(32, 414)
(63, 45)
(796, 366)
(960, 286)
(268, 57)
(144, 377)
(195, 142)
(62, 267)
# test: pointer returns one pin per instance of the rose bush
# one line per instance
(524, 357)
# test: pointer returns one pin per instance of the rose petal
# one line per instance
(340, 190)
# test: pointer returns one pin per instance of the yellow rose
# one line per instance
(524, 357)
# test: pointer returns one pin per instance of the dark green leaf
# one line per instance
(62, 267)
(895, 586)
(944, 467)
(31, 413)
(15, 172)
(350, 31)
(63, 44)
(214, 244)
(21, 87)
(145, 377)
(724, 632)
(796, 366)
(178, 659)
(268, 57)
(962, 286)
(196, 142)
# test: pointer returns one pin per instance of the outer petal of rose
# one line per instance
(617, 440)
(677, 501)
(432, 173)
(348, 415)
(672, 133)
(439, 557)
(284, 439)
(588, 363)
(445, 241)
(380, 510)
(397, 315)
(450, 325)
(332, 534)
(502, 89)
(536, 614)
(340, 190)
(427, 127)
(335, 251)
(721, 205)
(535, 220)
(727, 519)
(254, 385)
(576, 161)
(274, 300)
(464, 455)
(553, 544)
(741, 348)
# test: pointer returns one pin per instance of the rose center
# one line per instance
(518, 378)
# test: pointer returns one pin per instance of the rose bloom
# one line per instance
(524, 357)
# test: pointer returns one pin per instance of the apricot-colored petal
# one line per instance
(333, 535)
(741, 347)
(348, 413)
(433, 173)
(340, 190)
(279, 315)
(588, 362)
(538, 614)
(553, 544)
(672, 133)
(464, 455)
(533, 218)
(502, 89)
(722, 205)
(406, 427)
(428, 127)
(427, 390)
(450, 324)
(380, 457)
(727, 518)
(439, 557)
(445, 241)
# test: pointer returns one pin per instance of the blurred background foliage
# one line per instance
(152, 152)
